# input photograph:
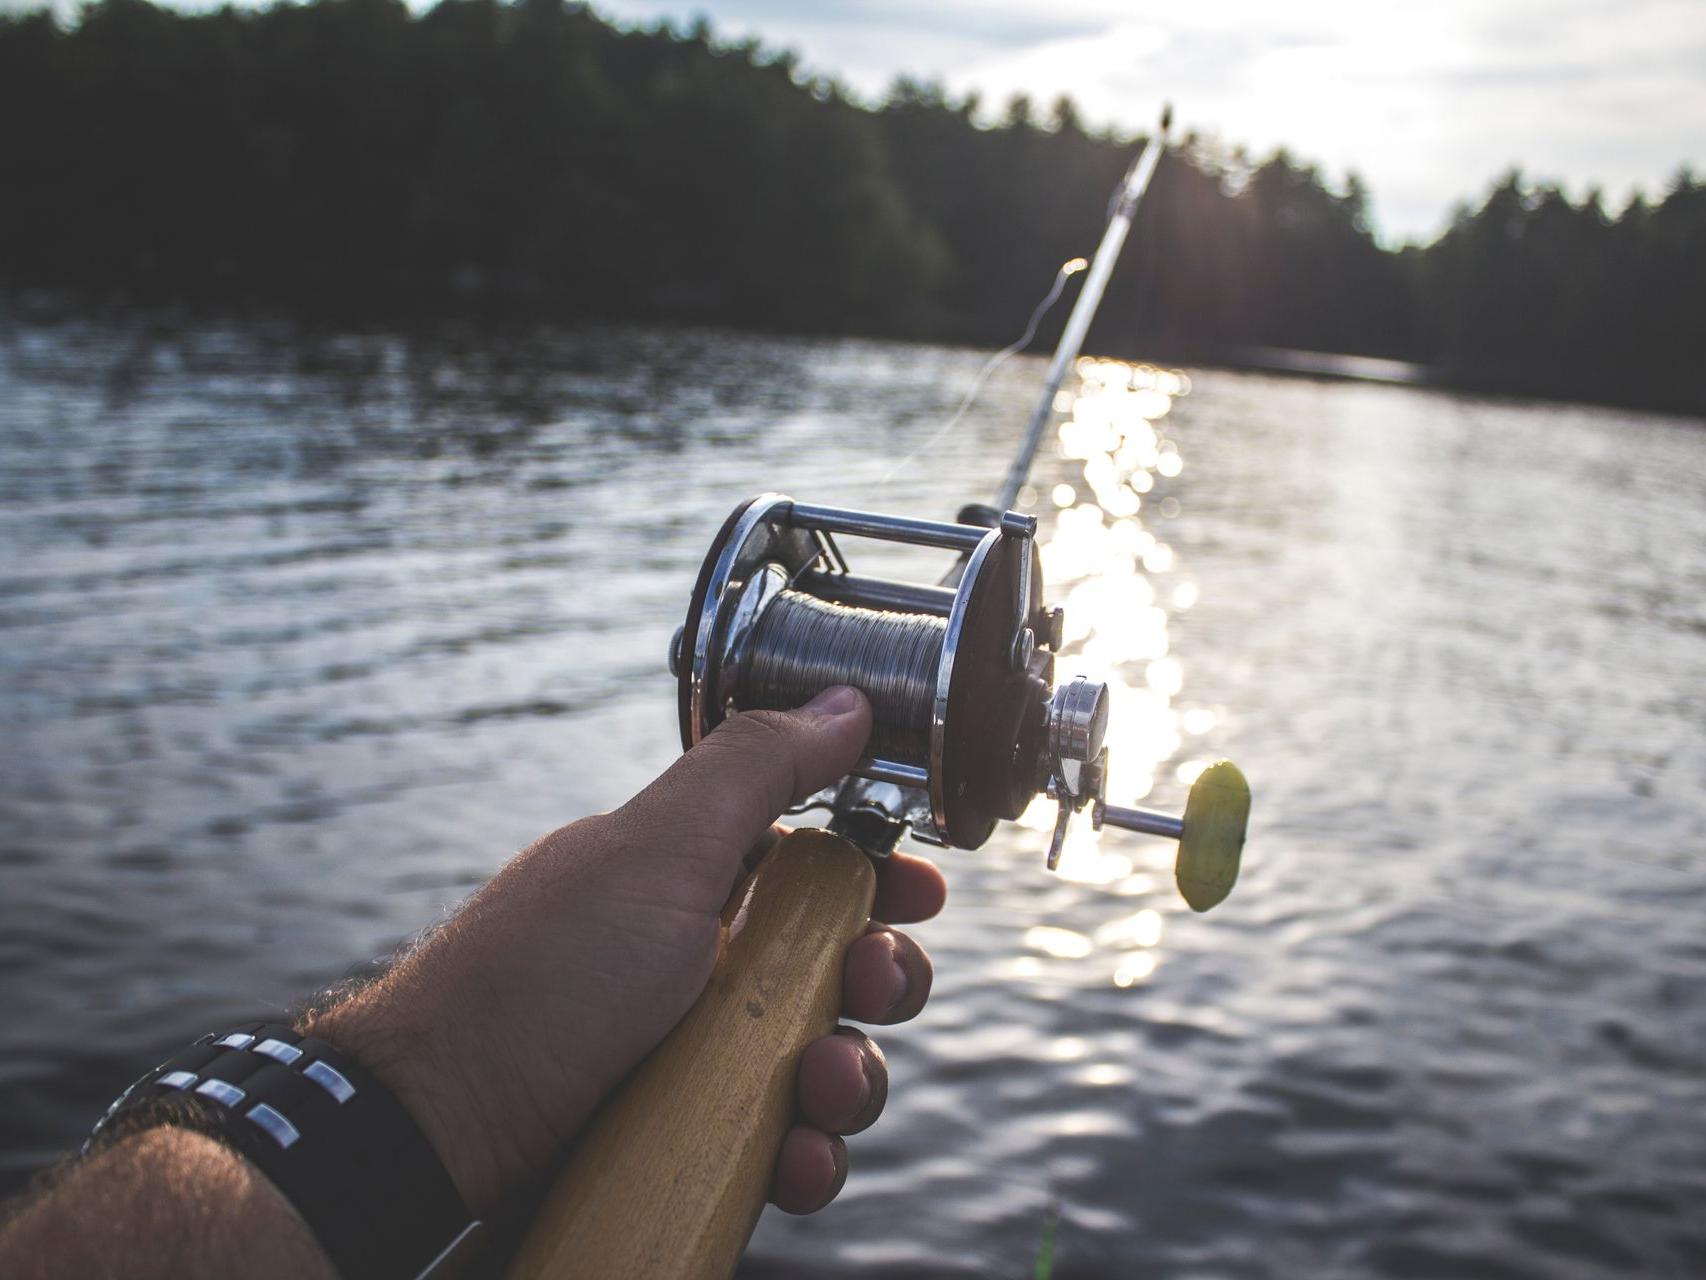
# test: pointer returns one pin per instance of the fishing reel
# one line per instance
(968, 723)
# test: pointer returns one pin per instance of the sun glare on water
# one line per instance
(1120, 584)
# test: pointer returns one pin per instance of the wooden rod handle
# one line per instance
(669, 1177)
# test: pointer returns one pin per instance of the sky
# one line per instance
(1428, 102)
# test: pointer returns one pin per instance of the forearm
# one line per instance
(421, 1030)
(166, 1203)
(499, 1033)
(171, 1202)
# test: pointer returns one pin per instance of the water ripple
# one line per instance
(305, 632)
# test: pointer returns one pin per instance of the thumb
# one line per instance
(719, 798)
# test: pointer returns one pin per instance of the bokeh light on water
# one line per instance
(1120, 584)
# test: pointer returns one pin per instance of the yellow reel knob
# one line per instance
(1216, 814)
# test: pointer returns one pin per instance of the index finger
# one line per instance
(909, 888)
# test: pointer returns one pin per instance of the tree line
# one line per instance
(350, 156)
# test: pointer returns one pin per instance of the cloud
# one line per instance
(1429, 103)
(869, 42)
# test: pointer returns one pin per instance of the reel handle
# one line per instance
(1210, 835)
(670, 1175)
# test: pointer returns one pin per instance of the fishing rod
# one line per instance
(1121, 209)
(969, 726)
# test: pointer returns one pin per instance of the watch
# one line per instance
(335, 1141)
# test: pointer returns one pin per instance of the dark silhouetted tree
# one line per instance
(527, 155)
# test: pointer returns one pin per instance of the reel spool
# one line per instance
(968, 723)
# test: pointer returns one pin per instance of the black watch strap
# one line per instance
(334, 1140)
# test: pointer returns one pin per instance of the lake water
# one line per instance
(301, 636)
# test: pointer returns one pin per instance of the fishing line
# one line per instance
(802, 645)
(1067, 269)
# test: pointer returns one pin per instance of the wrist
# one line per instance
(405, 1053)
(444, 1056)
(324, 1130)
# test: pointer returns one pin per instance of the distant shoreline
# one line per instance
(535, 161)
(38, 306)
(1338, 367)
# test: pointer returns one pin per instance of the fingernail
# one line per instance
(837, 700)
(874, 1079)
(900, 979)
(838, 1150)
(864, 1088)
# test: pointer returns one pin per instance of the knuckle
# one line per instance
(754, 731)
(762, 738)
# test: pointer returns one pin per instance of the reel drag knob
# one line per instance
(1078, 720)
(1074, 760)
(1210, 836)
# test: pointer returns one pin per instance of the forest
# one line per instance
(352, 158)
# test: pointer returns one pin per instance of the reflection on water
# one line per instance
(1114, 578)
(300, 635)
(1120, 584)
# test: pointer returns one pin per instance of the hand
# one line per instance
(503, 1029)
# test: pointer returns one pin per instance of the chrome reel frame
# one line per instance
(773, 542)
